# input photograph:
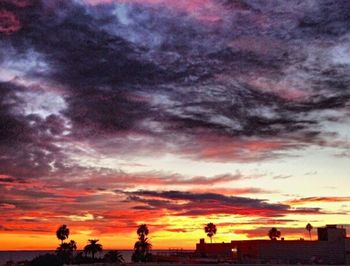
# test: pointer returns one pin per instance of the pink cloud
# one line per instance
(19, 3)
(9, 22)
(205, 10)
(233, 191)
(282, 88)
(222, 148)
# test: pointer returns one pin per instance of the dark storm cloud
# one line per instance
(12, 180)
(103, 69)
(193, 204)
(92, 64)
(255, 73)
(178, 195)
(26, 141)
(330, 19)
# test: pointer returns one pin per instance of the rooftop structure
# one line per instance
(329, 248)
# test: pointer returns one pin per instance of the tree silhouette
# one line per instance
(93, 248)
(62, 233)
(274, 233)
(309, 227)
(142, 246)
(142, 231)
(210, 229)
(65, 251)
(113, 256)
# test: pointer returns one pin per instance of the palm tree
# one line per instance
(142, 246)
(62, 233)
(70, 246)
(93, 248)
(309, 228)
(274, 233)
(142, 231)
(210, 229)
(142, 251)
(66, 251)
(113, 256)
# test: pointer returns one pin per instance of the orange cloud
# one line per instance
(225, 148)
(302, 201)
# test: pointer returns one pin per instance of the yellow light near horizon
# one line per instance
(176, 232)
(26, 241)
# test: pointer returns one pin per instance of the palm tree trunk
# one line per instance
(310, 234)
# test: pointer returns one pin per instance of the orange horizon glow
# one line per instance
(174, 114)
(160, 239)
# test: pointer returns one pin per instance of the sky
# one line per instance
(174, 114)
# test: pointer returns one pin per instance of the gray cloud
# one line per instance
(126, 69)
(249, 82)
(194, 204)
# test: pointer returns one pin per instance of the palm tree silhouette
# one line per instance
(142, 246)
(93, 248)
(210, 229)
(309, 227)
(66, 251)
(274, 233)
(70, 246)
(62, 233)
(142, 231)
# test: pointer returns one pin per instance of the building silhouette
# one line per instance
(331, 247)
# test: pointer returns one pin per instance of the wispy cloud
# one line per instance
(307, 200)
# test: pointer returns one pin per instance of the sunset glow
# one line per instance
(174, 114)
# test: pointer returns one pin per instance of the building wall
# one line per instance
(214, 250)
(347, 250)
(252, 251)
(301, 251)
(331, 233)
(332, 247)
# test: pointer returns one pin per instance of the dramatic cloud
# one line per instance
(9, 22)
(193, 204)
(97, 96)
(302, 201)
